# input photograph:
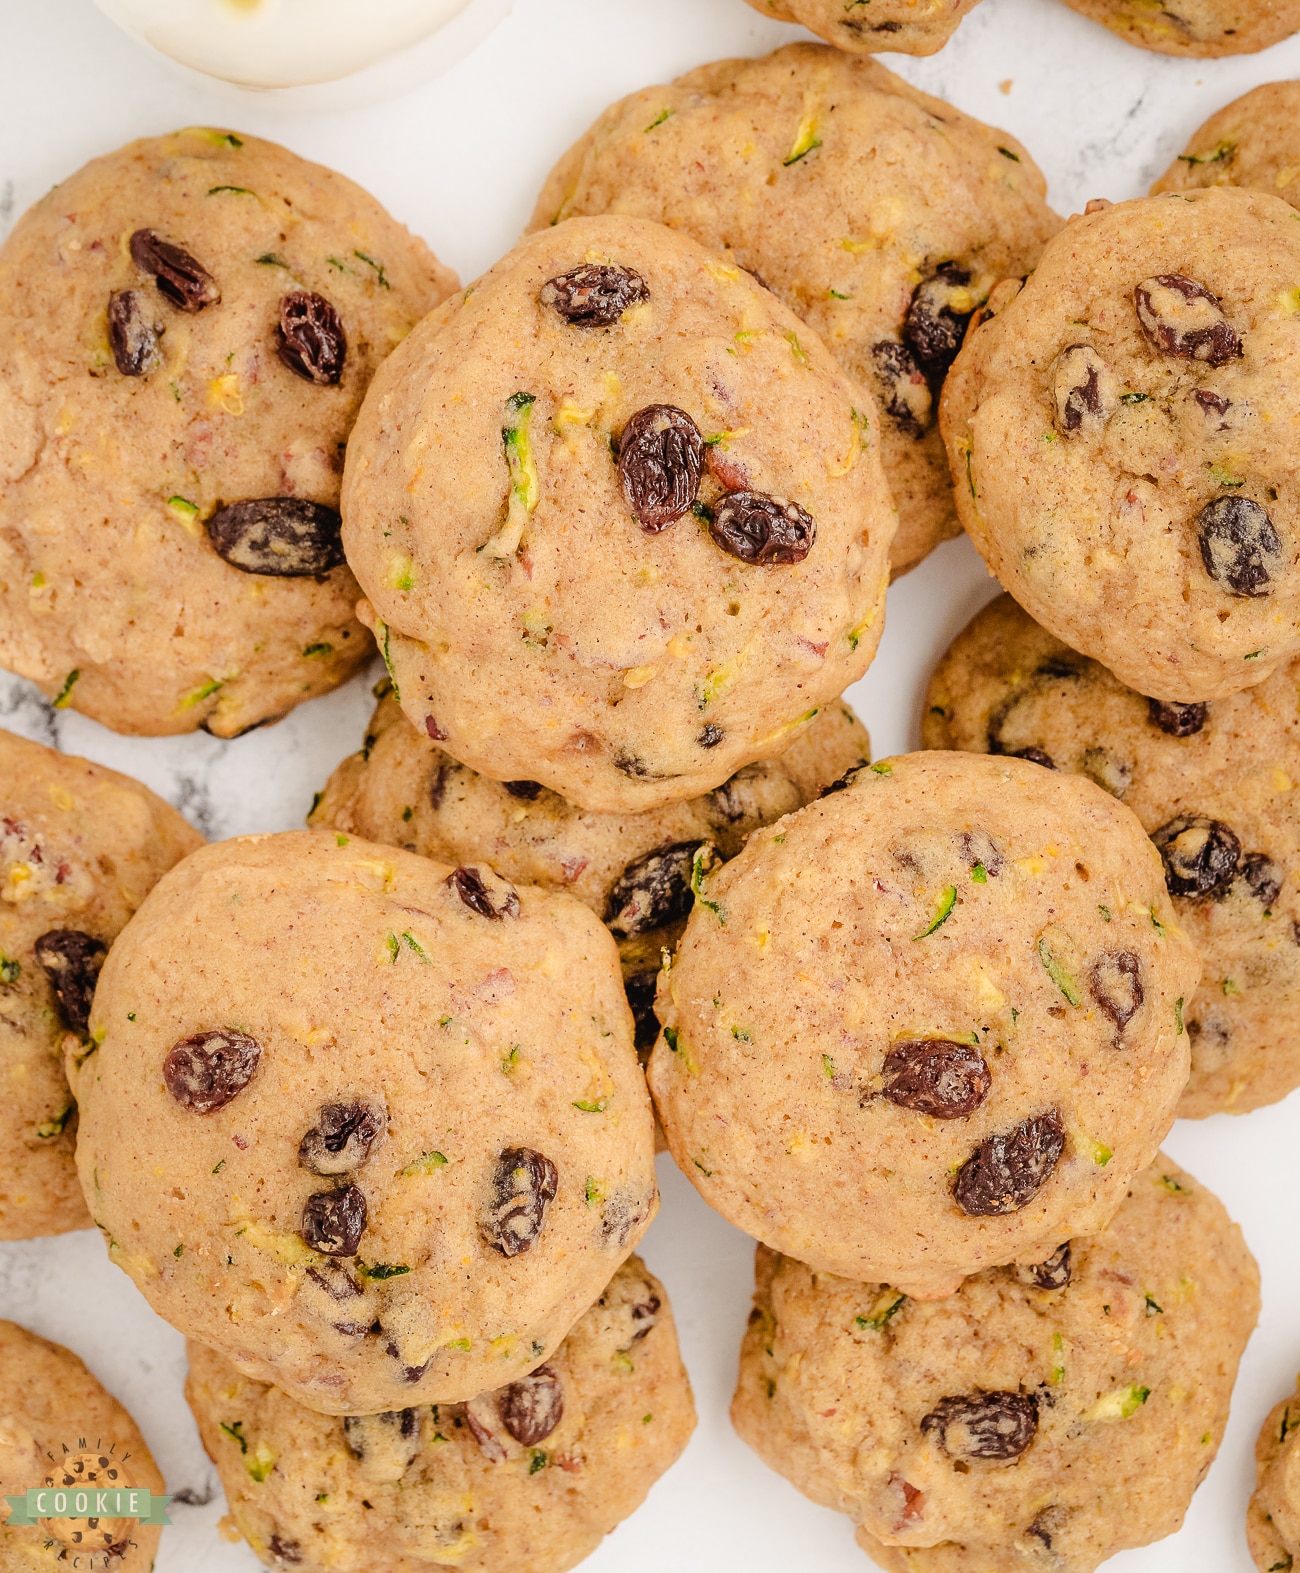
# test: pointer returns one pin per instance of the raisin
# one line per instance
(286, 1552)
(1084, 388)
(529, 791)
(1035, 756)
(594, 295)
(71, 961)
(1178, 720)
(904, 393)
(762, 529)
(1211, 404)
(660, 462)
(312, 342)
(133, 338)
(1006, 1171)
(393, 1436)
(524, 1184)
(842, 783)
(1239, 546)
(1116, 984)
(1201, 855)
(342, 1137)
(480, 1416)
(532, 1407)
(333, 1221)
(180, 277)
(640, 989)
(285, 537)
(997, 1426)
(1183, 318)
(473, 890)
(653, 890)
(710, 735)
(204, 1072)
(936, 323)
(979, 849)
(936, 1076)
(1054, 1273)
(1262, 876)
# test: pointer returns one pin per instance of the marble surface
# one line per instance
(459, 159)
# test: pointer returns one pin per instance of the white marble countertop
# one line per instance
(459, 159)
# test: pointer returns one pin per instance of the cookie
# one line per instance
(1273, 1515)
(371, 1127)
(1251, 142)
(187, 327)
(905, 27)
(929, 1024)
(1117, 432)
(1214, 786)
(633, 870)
(526, 1479)
(53, 1408)
(1039, 1418)
(619, 517)
(1199, 28)
(880, 215)
(80, 848)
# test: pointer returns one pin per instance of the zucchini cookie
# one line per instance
(527, 1479)
(863, 27)
(1200, 28)
(53, 1408)
(634, 871)
(187, 327)
(928, 1024)
(372, 1127)
(620, 519)
(1214, 786)
(1273, 1516)
(1045, 1417)
(80, 848)
(1117, 433)
(880, 215)
(1251, 142)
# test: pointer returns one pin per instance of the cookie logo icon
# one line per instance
(88, 1475)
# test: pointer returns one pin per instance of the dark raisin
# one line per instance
(1083, 389)
(342, 1137)
(904, 393)
(998, 1426)
(1116, 984)
(660, 462)
(1178, 720)
(434, 730)
(286, 537)
(1213, 405)
(762, 529)
(1054, 1273)
(936, 1076)
(640, 988)
(334, 1221)
(1262, 876)
(645, 1313)
(180, 277)
(710, 736)
(524, 1184)
(532, 1407)
(1239, 546)
(936, 323)
(286, 1552)
(1035, 756)
(1006, 1171)
(841, 783)
(473, 890)
(134, 339)
(71, 961)
(204, 1072)
(528, 790)
(1183, 318)
(394, 1432)
(594, 295)
(653, 890)
(312, 342)
(1201, 855)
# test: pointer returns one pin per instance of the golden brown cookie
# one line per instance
(880, 215)
(526, 1479)
(1041, 1417)
(620, 519)
(80, 848)
(187, 326)
(907, 27)
(1251, 142)
(368, 1125)
(1215, 785)
(1200, 28)
(1273, 1515)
